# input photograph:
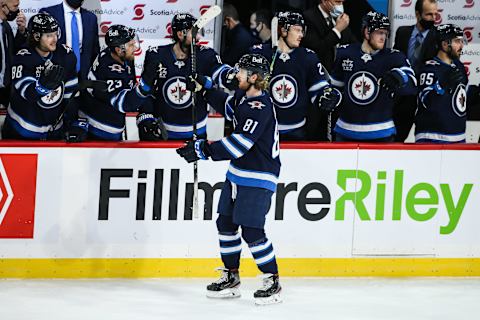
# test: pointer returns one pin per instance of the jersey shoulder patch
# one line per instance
(23, 52)
(67, 48)
(115, 67)
(432, 63)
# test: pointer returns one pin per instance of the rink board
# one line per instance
(124, 210)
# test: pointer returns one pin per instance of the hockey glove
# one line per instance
(393, 80)
(150, 128)
(198, 82)
(330, 99)
(149, 75)
(231, 79)
(194, 150)
(451, 80)
(50, 78)
(78, 131)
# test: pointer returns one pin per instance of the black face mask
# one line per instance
(427, 25)
(12, 15)
(254, 32)
(75, 4)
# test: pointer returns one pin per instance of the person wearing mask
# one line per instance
(260, 26)
(442, 112)
(238, 39)
(80, 28)
(417, 42)
(328, 27)
(9, 45)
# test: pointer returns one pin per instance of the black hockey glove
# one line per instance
(150, 128)
(78, 131)
(198, 82)
(330, 99)
(393, 80)
(452, 79)
(50, 78)
(231, 79)
(149, 75)
(194, 150)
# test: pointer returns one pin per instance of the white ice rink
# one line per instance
(304, 298)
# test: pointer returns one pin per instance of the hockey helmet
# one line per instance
(287, 19)
(254, 64)
(42, 23)
(445, 32)
(182, 22)
(375, 21)
(118, 35)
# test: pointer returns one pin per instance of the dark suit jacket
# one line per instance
(90, 42)
(238, 41)
(429, 47)
(321, 39)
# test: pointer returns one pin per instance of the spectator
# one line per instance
(238, 39)
(8, 46)
(370, 75)
(418, 44)
(43, 80)
(327, 28)
(441, 116)
(260, 26)
(81, 32)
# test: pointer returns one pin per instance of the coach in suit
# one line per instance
(327, 27)
(79, 31)
(419, 45)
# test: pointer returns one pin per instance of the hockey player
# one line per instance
(105, 111)
(370, 75)
(298, 78)
(441, 114)
(253, 149)
(173, 101)
(43, 78)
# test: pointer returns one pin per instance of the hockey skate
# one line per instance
(270, 292)
(226, 287)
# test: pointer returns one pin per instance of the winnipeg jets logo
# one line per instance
(284, 57)
(459, 101)
(366, 57)
(116, 68)
(256, 105)
(53, 99)
(162, 71)
(179, 64)
(23, 52)
(347, 65)
(284, 89)
(363, 88)
(176, 94)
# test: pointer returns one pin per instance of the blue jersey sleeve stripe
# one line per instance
(231, 148)
(24, 82)
(241, 139)
(228, 109)
(337, 83)
(71, 83)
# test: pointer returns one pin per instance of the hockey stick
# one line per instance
(204, 19)
(274, 30)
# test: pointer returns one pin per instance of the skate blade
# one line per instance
(231, 293)
(270, 300)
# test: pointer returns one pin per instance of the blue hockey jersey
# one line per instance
(173, 101)
(105, 111)
(297, 79)
(441, 115)
(366, 112)
(253, 148)
(33, 114)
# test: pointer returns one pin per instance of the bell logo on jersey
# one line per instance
(176, 93)
(18, 179)
(363, 88)
(459, 101)
(284, 90)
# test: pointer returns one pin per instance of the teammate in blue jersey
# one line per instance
(370, 75)
(298, 78)
(253, 151)
(105, 111)
(173, 101)
(43, 78)
(441, 114)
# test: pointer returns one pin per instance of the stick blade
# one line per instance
(208, 16)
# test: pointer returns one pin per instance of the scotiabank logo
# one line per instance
(438, 16)
(467, 67)
(18, 180)
(406, 3)
(469, 3)
(168, 28)
(139, 50)
(138, 10)
(172, 1)
(468, 32)
(104, 27)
